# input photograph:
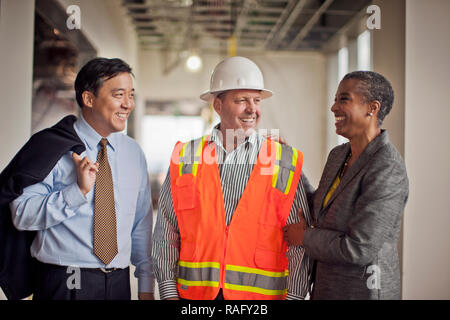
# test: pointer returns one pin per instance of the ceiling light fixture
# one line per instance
(194, 63)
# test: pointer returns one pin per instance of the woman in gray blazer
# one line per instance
(359, 203)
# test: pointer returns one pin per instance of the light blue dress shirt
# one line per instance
(64, 218)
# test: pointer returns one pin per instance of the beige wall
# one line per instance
(16, 82)
(297, 108)
(388, 56)
(107, 27)
(427, 219)
(16, 65)
(332, 84)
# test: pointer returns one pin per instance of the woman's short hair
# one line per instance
(94, 73)
(373, 86)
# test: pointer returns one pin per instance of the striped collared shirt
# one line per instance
(234, 169)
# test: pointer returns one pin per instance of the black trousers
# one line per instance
(54, 282)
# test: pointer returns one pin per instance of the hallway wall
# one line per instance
(107, 27)
(16, 82)
(427, 151)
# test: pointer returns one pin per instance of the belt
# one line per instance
(108, 270)
(104, 270)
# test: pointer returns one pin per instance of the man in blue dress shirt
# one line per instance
(61, 207)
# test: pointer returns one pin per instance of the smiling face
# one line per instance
(239, 109)
(350, 110)
(109, 110)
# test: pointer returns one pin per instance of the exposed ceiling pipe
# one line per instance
(273, 41)
(252, 24)
(188, 43)
(242, 18)
(332, 44)
(308, 26)
(281, 19)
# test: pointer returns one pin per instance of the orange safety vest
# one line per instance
(247, 258)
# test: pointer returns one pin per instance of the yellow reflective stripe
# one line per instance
(257, 271)
(206, 264)
(294, 157)
(194, 168)
(278, 156)
(276, 169)
(198, 283)
(255, 289)
(180, 165)
(198, 153)
(288, 186)
(291, 174)
(183, 149)
(200, 147)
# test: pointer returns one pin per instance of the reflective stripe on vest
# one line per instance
(255, 280)
(283, 171)
(236, 277)
(188, 159)
(204, 274)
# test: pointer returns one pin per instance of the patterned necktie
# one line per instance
(105, 233)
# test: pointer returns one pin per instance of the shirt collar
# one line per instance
(216, 137)
(91, 137)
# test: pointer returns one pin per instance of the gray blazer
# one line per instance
(354, 239)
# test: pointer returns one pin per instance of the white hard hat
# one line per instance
(236, 73)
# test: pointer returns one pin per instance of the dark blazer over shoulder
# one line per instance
(355, 236)
(29, 166)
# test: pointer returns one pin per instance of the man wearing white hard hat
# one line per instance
(225, 200)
